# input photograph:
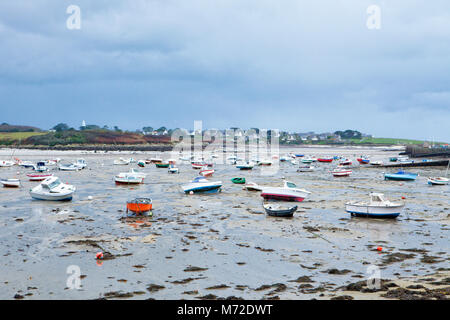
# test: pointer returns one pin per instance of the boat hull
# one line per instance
(374, 211)
(399, 177)
(281, 213)
(48, 197)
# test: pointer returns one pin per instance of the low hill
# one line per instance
(4, 127)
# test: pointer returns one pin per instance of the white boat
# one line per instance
(340, 172)
(265, 163)
(173, 169)
(122, 161)
(80, 163)
(252, 186)
(53, 189)
(245, 166)
(206, 172)
(68, 167)
(376, 163)
(200, 184)
(40, 167)
(294, 162)
(6, 163)
(438, 181)
(289, 192)
(25, 164)
(306, 169)
(10, 183)
(377, 207)
(52, 162)
(131, 177)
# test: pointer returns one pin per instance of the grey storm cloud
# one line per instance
(291, 64)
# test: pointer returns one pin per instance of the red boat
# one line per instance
(363, 161)
(325, 159)
(38, 177)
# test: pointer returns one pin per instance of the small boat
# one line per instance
(53, 189)
(378, 207)
(68, 167)
(206, 172)
(200, 184)
(141, 163)
(173, 169)
(38, 177)
(265, 163)
(278, 210)
(171, 161)
(198, 165)
(24, 164)
(132, 177)
(363, 160)
(289, 192)
(156, 160)
(325, 159)
(393, 159)
(52, 162)
(245, 166)
(10, 183)
(307, 160)
(40, 167)
(345, 162)
(401, 176)
(80, 163)
(294, 162)
(438, 181)
(238, 180)
(340, 172)
(122, 161)
(139, 205)
(299, 155)
(251, 186)
(376, 163)
(162, 164)
(283, 159)
(6, 163)
(306, 168)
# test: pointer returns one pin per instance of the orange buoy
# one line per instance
(403, 198)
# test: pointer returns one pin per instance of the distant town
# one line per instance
(90, 134)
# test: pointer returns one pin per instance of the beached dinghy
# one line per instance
(252, 186)
(198, 165)
(200, 184)
(132, 177)
(245, 166)
(378, 207)
(340, 172)
(401, 176)
(238, 180)
(376, 163)
(289, 192)
(162, 164)
(141, 163)
(121, 161)
(25, 164)
(53, 189)
(139, 205)
(278, 210)
(6, 163)
(345, 162)
(39, 177)
(325, 159)
(363, 160)
(438, 181)
(306, 168)
(173, 169)
(10, 183)
(207, 172)
(68, 167)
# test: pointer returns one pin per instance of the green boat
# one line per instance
(393, 159)
(238, 180)
(162, 165)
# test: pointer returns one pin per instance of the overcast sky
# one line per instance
(290, 65)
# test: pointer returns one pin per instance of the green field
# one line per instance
(15, 136)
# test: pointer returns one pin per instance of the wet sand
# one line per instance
(222, 245)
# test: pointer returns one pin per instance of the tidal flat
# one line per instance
(223, 245)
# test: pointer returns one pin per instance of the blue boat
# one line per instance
(401, 176)
(299, 155)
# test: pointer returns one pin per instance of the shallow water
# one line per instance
(227, 234)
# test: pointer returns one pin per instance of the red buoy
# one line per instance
(379, 248)
(99, 255)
